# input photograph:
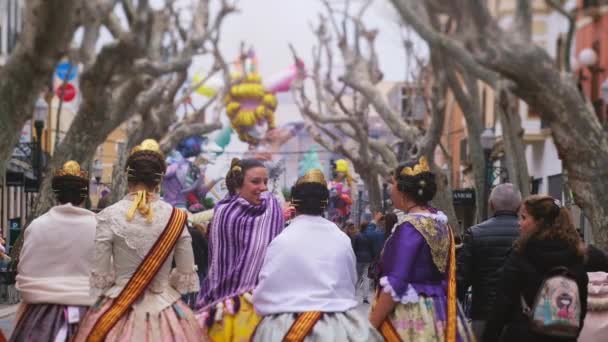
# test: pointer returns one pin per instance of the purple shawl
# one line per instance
(239, 235)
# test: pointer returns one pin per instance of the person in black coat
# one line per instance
(364, 252)
(484, 251)
(548, 240)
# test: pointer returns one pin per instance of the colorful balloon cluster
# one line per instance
(249, 104)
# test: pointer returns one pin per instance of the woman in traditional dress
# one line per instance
(307, 283)
(55, 263)
(137, 240)
(417, 296)
(243, 225)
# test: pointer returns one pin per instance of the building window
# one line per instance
(535, 185)
(556, 186)
(590, 3)
(464, 150)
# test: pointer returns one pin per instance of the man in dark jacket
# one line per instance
(484, 251)
(375, 233)
(364, 253)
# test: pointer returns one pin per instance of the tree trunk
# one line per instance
(374, 191)
(515, 151)
(581, 141)
(443, 199)
(48, 27)
(470, 107)
(90, 128)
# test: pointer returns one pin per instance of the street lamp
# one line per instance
(487, 140)
(587, 57)
(97, 171)
(41, 110)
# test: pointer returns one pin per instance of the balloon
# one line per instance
(281, 81)
(250, 108)
(210, 87)
(223, 138)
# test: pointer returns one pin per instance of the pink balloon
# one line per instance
(281, 81)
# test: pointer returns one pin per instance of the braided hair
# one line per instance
(146, 167)
(236, 175)
(420, 188)
(70, 189)
(310, 198)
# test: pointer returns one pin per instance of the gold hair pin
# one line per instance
(71, 168)
(148, 145)
(236, 168)
(422, 166)
(313, 176)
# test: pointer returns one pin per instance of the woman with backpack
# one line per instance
(542, 295)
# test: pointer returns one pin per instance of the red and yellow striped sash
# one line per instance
(388, 331)
(142, 277)
(451, 324)
(302, 326)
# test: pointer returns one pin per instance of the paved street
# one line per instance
(7, 318)
(7, 324)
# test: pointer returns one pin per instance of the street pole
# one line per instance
(488, 182)
(38, 125)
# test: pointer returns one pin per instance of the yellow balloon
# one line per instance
(203, 89)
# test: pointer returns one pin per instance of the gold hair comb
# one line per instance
(148, 145)
(71, 168)
(422, 166)
(313, 176)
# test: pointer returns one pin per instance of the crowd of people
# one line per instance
(262, 270)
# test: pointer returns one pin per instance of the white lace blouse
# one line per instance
(120, 246)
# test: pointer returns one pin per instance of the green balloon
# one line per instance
(223, 138)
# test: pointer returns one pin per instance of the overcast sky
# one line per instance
(270, 25)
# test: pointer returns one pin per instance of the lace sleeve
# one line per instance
(184, 282)
(102, 275)
(184, 277)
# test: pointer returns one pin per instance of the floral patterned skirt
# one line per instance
(425, 321)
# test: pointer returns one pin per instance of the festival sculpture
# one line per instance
(184, 184)
(250, 103)
(340, 193)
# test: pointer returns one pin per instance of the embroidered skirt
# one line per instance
(425, 321)
(338, 326)
(175, 323)
(46, 322)
(233, 320)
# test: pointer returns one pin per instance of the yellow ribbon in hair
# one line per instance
(140, 204)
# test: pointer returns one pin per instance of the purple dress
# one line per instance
(413, 270)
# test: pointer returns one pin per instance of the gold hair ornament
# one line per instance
(422, 166)
(313, 176)
(71, 168)
(148, 145)
(236, 168)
